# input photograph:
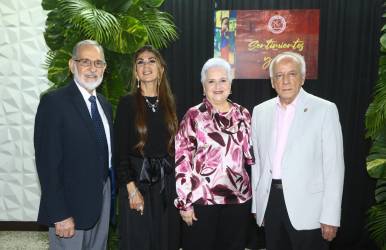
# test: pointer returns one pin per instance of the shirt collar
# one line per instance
(212, 111)
(230, 121)
(293, 103)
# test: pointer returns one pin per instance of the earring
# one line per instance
(138, 83)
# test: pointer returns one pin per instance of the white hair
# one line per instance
(216, 62)
(299, 59)
(87, 42)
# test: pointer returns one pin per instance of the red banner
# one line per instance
(249, 39)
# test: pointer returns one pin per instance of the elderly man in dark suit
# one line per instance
(73, 155)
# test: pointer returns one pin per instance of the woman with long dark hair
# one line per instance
(145, 126)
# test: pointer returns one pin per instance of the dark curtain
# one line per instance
(348, 62)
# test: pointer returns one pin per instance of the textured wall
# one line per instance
(22, 79)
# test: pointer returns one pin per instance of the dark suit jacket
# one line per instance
(67, 160)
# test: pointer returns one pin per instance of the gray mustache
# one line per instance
(91, 75)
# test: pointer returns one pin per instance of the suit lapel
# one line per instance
(270, 129)
(81, 107)
(298, 122)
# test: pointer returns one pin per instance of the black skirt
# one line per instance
(159, 226)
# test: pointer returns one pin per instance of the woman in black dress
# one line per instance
(145, 126)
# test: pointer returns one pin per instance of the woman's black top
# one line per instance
(126, 136)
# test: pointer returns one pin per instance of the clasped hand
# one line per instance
(328, 231)
(188, 216)
(135, 198)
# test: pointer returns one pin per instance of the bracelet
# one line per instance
(132, 194)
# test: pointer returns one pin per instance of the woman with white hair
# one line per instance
(212, 147)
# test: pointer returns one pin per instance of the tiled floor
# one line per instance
(19, 240)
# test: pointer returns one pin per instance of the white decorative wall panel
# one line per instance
(22, 79)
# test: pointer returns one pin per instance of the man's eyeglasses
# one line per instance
(87, 63)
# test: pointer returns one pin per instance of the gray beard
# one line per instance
(87, 85)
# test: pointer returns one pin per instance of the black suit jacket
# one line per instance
(67, 160)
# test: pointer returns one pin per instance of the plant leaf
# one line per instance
(376, 160)
(94, 23)
(383, 40)
(377, 223)
(58, 71)
(380, 191)
(131, 36)
(55, 30)
(376, 112)
(121, 6)
(50, 4)
(153, 3)
(159, 26)
(376, 168)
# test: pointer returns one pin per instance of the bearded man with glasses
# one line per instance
(73, 155)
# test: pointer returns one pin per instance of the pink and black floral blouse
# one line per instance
(211, 150)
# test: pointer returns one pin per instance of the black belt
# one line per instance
(151, 170)
(276, 184)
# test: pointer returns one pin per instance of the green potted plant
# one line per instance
(120, 26)
(376, 161)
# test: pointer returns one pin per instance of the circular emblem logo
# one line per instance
(277, 24)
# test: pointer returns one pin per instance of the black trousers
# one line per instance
(219, 227)
(279, 232)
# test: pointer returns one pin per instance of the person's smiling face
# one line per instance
(287, 79)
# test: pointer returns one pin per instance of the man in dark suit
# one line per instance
(73, 155)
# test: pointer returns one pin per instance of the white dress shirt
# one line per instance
(86, 95)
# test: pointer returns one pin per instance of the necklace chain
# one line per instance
(152, 106)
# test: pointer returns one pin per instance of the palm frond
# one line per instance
(119, 6)
(376, 161)
(159, 27)
(49, 58)
(153, 3)
(58, 71)
(377, 223)
(55, 33)
(95, 23)
(380, 191)
(376, 112)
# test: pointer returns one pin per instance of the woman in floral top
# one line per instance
(212, 146)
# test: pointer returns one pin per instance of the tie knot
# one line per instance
(92, 98)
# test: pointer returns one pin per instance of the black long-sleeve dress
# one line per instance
(159, 226)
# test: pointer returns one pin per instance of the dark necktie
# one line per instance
(101, 136)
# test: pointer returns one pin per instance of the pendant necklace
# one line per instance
(152, 106)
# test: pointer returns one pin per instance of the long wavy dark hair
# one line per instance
(166, 102)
